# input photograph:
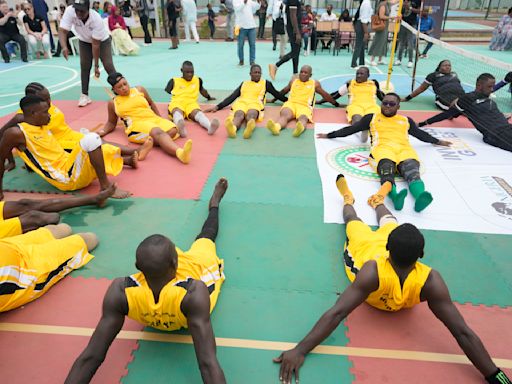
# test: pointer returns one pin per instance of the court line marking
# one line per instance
(17, 67)
(393, 354)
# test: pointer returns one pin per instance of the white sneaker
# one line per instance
(84, 100)
(373, 64)
(410, 64)
(398, 62)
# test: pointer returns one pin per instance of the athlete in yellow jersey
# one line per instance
(142, 119)
(362, 97)
(300, 102)
(41, 152)
(385, 272)
(250, 103)
(173, 290)
(17, 217)
(391, 152)
(184, 104)
(33, 262)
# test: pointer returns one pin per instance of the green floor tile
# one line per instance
(273, 180)
(276, 246)
(467, 267)
(166, 363)
(262, 143)
(121, 226)
(20, 179)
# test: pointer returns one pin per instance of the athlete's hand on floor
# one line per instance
(321, 102)
(65, 53)
(321, 136)
(211, 109)
(444, 143)
(290, 361)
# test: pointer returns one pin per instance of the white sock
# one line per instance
(202, 120)
(177, 116)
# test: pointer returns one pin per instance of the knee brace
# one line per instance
(386, 171)
(410, 170)
(90, 142)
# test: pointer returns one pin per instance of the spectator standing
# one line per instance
(173, 12)
(9, 31)
(41, 10)
(406, 39)
(502, 34)
(276, 11)
(427, 27)
(94, 43)
(211, 20)
(307, 22)
(262, 16)
(245, 10)
(362, 20)
(152, 17)
(127, 13)
(230, 15)
(379, 45)
(190, 19)
(143, 9)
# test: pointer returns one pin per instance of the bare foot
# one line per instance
(182, 130)
(101, 198)
(213, 126)
(134, 163)
(218, 192)
(145, 148)
(120, 194)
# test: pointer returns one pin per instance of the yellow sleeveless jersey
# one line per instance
(184, 91)
(362, 93)
(133, 107)
(390, 296)
(252, 91)
(303, 93)
(64, 134)
(43, 153)
(166, 314)
(390, 131)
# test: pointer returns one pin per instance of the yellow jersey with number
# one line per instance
(252, 91)
(166, 314)
(362, 93)
(184, 91)
(391, 296)
(392, 131)
(303, 93)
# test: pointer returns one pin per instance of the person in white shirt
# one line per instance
(276, 11)
(362, 21)
(95, 43)
(244, 15)
(190, 19)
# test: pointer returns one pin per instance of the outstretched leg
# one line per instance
(349, 212)
(198, 116)
(386, 170)
(165, 141)
(285, 116)
(302, 121)
(252, 116)
(410, 171)
(211, 225)
(234, 123)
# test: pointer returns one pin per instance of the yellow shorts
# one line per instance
(361, 109)
(35, 261)
(186, 107)
(80, 170)
(299, 110)
(364, 244)
(10, 227)
(204, 252)
(245, 107)
(394, 153)
(138, 131)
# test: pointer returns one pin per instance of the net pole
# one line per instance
(417, 53)
(393, 44)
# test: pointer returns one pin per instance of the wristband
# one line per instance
(498, 377)
(408, 98)
(423, 123)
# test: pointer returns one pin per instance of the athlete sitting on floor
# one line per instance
(362, 97)
(142, 119)
(300, 103)
(42, 153)
(483, 113)
(390, 151)
(184, 104)
(35, 261)
(173, 290)
(67, 137)
(17, 217)
(250, 103)
(385, 272)
(445, 84)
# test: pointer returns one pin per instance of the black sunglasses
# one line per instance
(389, 103)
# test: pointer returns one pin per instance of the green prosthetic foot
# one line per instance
(398, 198)
(423, 201)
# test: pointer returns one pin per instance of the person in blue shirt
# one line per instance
(426, 24)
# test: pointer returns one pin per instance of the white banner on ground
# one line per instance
(471, 182)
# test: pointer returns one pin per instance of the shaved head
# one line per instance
(156, 256)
